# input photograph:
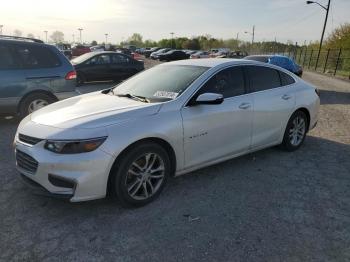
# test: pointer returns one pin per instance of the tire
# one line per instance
(293, 138)
(34, 102)
(129, 183)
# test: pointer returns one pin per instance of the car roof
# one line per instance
(213, 62)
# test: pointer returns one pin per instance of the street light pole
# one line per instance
(80, 29)
(106, 35)
(73, 36)
(45, 36)
(1, 26)
(252, 33)
(326, 8)
(172, 36)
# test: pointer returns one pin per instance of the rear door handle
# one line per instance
(244, 106)
(286, 97)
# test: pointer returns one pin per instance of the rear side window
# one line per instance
(7, 61)
(37, 57)
(117, 59)
(286, 79)
(228, 82)
(263, 78)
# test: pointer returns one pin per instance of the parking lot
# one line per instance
(266, 206)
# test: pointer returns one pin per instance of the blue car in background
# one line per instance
(279, 60)
(32, 75)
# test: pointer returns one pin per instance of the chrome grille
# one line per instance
(29, 139)
(26, 162)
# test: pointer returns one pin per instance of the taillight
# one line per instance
(71, 75)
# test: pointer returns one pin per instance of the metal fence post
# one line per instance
(336, 66)
(325, 64)
(304, 57)
(310, 59)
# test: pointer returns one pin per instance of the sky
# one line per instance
(155, 19)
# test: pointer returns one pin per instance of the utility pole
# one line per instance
(172, 37)
(80, 29)
(1, 26)
(253, 34)
(45, 36)
(326, 8)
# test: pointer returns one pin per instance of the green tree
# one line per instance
(135, 39)
(94, 42)
(192, 44)
(17, 32)
(57, 37)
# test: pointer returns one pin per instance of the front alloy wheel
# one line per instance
(141, 173)
(145, 176)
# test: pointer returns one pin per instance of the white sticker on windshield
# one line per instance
(166, 94)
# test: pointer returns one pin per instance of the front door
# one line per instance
(215, 131)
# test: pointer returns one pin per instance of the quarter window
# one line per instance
(263, 78)
(286, 79)
(7, 60)
(117, 59)
(228, 82)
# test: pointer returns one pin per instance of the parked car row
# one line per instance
(168, 54)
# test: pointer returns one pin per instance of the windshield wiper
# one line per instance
(138, 98)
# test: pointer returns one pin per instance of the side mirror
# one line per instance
(210, 99)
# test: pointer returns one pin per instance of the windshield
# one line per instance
(161, 83)
(82, 58)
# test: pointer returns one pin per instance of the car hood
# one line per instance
(92, 111)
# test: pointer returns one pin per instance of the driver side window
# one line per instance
(228, 82)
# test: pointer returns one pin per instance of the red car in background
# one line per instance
(79, 50)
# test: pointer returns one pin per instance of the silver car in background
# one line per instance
(169, 120)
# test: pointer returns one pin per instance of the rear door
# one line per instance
(273, 104)
(41, 66)
(12, 79)
(122, 66)
(98, 68)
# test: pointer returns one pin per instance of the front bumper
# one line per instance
(88, 172)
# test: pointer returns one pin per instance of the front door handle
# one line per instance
(286, 97)
(244, 106)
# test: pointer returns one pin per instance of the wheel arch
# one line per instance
(307, 113)
(37, 91)
(163, 143)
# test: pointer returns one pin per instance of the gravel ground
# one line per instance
(266, 206)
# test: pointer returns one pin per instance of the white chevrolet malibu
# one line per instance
(169, 120)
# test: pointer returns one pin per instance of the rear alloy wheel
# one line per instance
(141, 174)
(295, 132)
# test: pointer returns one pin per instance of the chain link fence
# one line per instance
(334, 62)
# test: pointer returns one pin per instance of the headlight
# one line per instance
(74, 146)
